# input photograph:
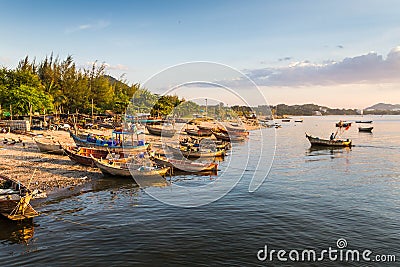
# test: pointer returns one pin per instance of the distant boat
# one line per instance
(365, 129)
(299, 120)
(363, 121)
(14, 200)
(343, 124)
(48, 145)
(160, 131)
(285, 120)
(316, 141)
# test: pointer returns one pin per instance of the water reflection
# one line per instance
(326, 151)
(16, 232)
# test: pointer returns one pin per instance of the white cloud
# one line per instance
(96, 25)
(370, 68)
(107, 65)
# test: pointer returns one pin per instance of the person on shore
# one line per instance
(332, 136)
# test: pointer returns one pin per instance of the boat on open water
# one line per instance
(316, 141)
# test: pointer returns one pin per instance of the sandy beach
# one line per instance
(51, 173)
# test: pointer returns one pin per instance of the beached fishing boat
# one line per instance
(48, 145)
(230, 136)
(185, 164)
(199, 133)
(160, 131)
(82, 155)
(114, 144)
(196, 152)
(14, 200)
(126, 168)
(234, 128)
(316, 141)
(365, 129)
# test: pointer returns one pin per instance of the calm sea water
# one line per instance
(310, 199)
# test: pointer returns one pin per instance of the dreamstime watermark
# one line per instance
(338, 253)
(214, 84)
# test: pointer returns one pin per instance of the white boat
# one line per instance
(48, 145)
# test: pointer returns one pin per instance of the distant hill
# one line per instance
(383, 106)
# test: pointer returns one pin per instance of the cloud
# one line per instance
(284, 59)
(116, 67)
(107, 65)
(368, 68)
(96, 25)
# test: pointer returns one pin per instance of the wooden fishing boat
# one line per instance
(160, 131)
(365, 129)
(189, 152)
(285, 120)
(199, 132)
(363, 121)
(14, 200)
(235, 129)
(315, 141)
(82, 155)
(48, 145)
(298, 120)
(231, 136)
(126, 168)
(112, 144)
(186, 165)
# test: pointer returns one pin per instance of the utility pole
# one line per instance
(92, 113)
(206, 109)
(11, 112)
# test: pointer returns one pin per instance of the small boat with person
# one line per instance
(316, 141)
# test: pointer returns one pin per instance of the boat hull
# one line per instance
(186, 165)
(11, 194)
(160, 131)
(365, 129)
(82, 155)
(54, 148)
(126, 172)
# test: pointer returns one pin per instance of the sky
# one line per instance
(332, 53)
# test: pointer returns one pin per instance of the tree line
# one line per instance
(55, 85)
